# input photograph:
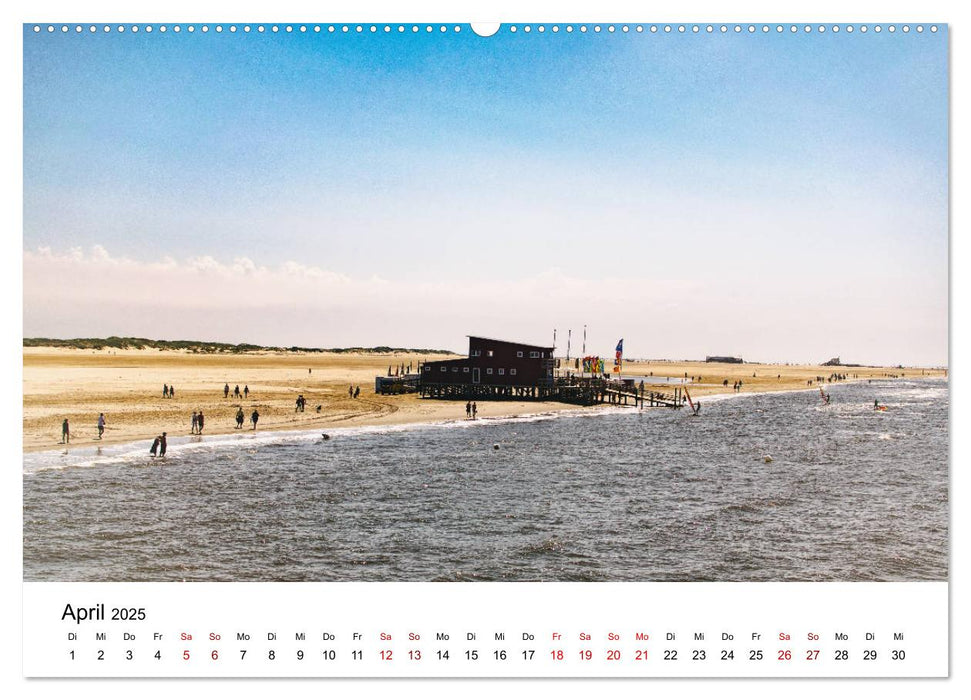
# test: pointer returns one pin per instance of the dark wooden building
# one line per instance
(513, 369)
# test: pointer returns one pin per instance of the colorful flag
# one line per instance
(618, 359)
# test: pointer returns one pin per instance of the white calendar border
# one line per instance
(422, 10)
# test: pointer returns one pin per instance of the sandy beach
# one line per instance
(126, 385)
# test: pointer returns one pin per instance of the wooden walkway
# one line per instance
(582, 391)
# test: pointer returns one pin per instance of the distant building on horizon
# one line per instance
(724, 358)
(834, 362)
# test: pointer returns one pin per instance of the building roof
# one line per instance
(509, 342)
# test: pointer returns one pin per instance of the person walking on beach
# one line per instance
(101, 425)
(165, 391)
(246, 391)
(468, 409)
(226, 391)
(171, 392)
(155, 443)
(255, 418)
(475, 410)
(240, 417)
(65, 432)
(202, 422)
(357, 391)
(350, 392)
(195, 422)
(161, 445)
(236, 392)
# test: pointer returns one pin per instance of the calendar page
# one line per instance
(362, 347)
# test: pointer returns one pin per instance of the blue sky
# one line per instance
(734, 191)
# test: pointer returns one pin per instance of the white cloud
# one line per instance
(660, 310)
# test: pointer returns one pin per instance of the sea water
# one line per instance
(770, 487)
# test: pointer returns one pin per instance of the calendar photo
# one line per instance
(537, 303)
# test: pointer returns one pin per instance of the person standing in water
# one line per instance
(155, 443)
(101, 425)
(161, 445)
(65, 432)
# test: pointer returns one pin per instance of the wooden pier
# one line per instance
(582, 391)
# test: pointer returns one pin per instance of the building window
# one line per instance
(502, 370)
(512, 371)
(476, 353)
(427, 368)
(488, 353)
(465, 369)
(489, 370)
(519, 353)
(455, 369)
(534, 354)
(444, 369)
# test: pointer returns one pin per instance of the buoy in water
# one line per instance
(325, 436)
(496, 446)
